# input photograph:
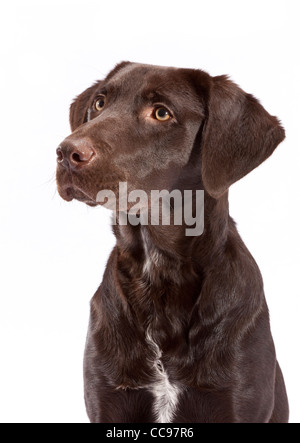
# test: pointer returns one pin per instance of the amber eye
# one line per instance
(162, 114)
(99, 103)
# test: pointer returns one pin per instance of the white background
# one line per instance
(53, 253)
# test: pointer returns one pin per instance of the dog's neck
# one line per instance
(165, 252)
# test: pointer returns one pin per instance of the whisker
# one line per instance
(51, 180)
(54, 194)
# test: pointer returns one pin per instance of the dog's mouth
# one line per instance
(70, 192)
(71, 187)
(105, 193)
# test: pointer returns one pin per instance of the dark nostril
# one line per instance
(82, 154)
(76, 158)
(60, 156)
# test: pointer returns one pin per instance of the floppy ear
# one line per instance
(79, 108)
(239, 136)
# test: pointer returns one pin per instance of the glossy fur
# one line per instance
(179, 328)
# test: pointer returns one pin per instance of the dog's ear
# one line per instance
(239, 135)
(79, 108)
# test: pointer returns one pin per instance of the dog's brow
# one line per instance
(155, 96)
(102, 90)
(152, 95)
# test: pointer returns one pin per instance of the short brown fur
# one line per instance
(204, 300)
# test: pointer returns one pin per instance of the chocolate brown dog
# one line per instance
(179, 328)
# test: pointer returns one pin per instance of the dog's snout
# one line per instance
(73, 155)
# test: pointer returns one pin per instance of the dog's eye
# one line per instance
(162, 114)
(99, 103)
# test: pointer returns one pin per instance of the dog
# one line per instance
(179, 328)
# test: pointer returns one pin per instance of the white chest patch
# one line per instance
(166, 394)
(153, 258)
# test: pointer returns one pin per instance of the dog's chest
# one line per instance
(153, 259)
(166, 394)
(157, 267)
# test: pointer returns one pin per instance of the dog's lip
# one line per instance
(70, 192)
(66, 192)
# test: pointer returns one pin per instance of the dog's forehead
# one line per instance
(137, 76)
(138, 69)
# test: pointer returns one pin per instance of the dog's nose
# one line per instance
(72, 154)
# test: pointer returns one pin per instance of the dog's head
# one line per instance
(163, 128)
